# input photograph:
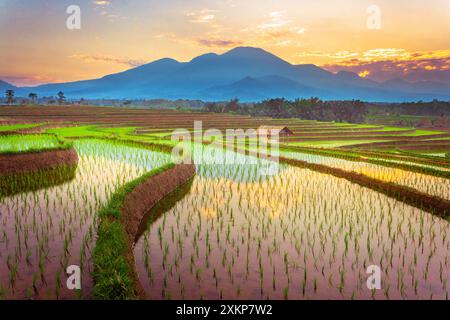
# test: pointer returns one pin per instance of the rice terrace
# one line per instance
(205, 159)
(95, 187)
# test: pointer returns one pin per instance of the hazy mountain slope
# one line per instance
(247, 73)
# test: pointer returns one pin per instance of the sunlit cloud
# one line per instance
(364, 73)
(278, 31)
(276, 21)
(104, 8)
(385, 53)
(218, 43)
(319, 35)
(28, 80)
(202, 16)
(102, 2)
(387, 64)
(109, 59)
(336, 55)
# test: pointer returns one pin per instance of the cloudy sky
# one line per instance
(36, 46)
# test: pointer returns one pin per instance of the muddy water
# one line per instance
(425, 183)
(296, 235)
(44, 231)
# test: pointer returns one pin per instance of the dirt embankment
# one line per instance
(36, 161)
(143, 198)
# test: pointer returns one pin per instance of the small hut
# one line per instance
(275, 130)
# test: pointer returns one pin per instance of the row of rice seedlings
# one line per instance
(425, 183)
(21, 143)
(296, 235)
(43, 232)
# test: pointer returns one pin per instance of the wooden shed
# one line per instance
(273, 130)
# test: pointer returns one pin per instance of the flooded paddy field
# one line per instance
(432, 185)
(244, 230)
(47, 229)
(294, 235)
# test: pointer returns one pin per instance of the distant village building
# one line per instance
(275, 130)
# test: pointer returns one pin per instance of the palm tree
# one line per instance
(9, 96)
(61, 97)
(33, 97)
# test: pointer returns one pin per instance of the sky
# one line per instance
(378, 39)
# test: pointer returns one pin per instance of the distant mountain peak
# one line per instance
(396, 81)
(247, 73)
(347, 75)
(246, 50)
(166, 60)
(205, 57)
(6, 85)
(252, 53)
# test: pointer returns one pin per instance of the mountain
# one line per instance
(6, 86)
(421, 87)
(261, 88)
(250, 74)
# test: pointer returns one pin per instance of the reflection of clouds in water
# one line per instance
(121, 152)
(213, 162)
(425, 183)
(240, 173)
(55, 214)
(255, 234)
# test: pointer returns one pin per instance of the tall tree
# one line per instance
(10, 96)
(61, 97)
(233, 105)
(33, 97)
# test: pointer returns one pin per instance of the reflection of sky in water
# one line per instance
(425, 183)
(213, 162)
(121, 152)
(47, 218)
(308, 233)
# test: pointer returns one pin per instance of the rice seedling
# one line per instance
(297, 235)
(425, 183)
(22, 143)
(55, 225)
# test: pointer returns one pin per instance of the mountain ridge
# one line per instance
(220, 76)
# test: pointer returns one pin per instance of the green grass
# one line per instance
(113, 274)
(418, 133)
(330, 144)
(75, 132)
(14, 127)
(388, 128)
(116, 131)
(12, 144)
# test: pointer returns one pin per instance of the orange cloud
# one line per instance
(386, 64)
(28, 80)
(109, 59)
(202, 16)
(364, 73)
(218, 43)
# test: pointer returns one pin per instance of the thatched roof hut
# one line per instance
(274, 130)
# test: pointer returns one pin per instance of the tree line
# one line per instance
(355, 111)
(309, 109)
(33, 97)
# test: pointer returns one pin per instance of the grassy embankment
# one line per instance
(112, 271)
(34, 143)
